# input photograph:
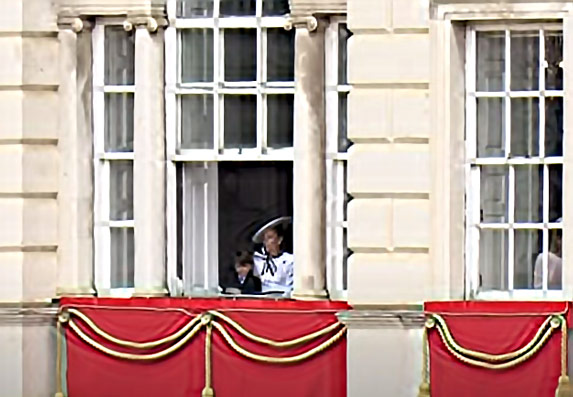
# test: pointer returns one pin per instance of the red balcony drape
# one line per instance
(90, 372)
(495, 328)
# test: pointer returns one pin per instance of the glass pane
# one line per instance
(524, 127)
(494, 187)
(343, 36)
(493, 259)
(524, 61)
(553, 126)
(275, 7)
(554, 57)
(237, 7)
(280, 55)
(490, 127)
(197, 122)
(240, 54)
(196, 55)
(555, 192)
(490, 55)
(527, 247)
(528, 193)
(119, 56)
(121, 190)
(118, 122)
(194, 8)
(280, 120)
(240, 121)
(343, 142)
(122, 255)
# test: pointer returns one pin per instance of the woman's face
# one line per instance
(272, 242)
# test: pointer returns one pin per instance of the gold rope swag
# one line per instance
(497, 361)
(210, 319)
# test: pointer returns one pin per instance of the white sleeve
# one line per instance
(259, 262)
(538, 272)
(290, 272)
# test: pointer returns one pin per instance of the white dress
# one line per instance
(554, 266)
(276, 273)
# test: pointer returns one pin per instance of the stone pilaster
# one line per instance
(149, 163)
(309, 160)
(75, 145)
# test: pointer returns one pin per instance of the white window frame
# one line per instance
(101, 162)
(206, 269)
(473, 163)
(336, 161)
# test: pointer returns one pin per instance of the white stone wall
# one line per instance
(389, 163)
(28, 188)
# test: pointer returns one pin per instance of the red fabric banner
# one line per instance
(93, 373)
(495, 328)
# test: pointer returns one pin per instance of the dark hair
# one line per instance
(244, 258)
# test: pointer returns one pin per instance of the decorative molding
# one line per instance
(381, 318)
(150, 23)
(317, 7)
(310, 22)
(494, 9)
(28, 314)
(75, 23)
(110, 8)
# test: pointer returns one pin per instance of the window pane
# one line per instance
(555, 192)
(343, 36)
(121, 190)
(343, 142)
(554, 57)
(493, 259)
(494, 194)
(280, 55)
(527, 248)
(280, 120)
(240, 54)
(524, 60)
(118, 122)
(553, 126)
(528, 193)
(490, 127)
(197, 122)
(122, 253)
(196, 55)
(490, 60)
(240, 121)
(237, 7)
(525, 127)
(119, 56)
(194, 8)
(275, 7)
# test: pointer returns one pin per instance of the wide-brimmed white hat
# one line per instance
(282, 222)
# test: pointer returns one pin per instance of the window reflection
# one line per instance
(240, 54)
(240, 121)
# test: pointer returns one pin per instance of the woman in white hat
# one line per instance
(274, 266)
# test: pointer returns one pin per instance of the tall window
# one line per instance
(229, 104)
(514, 159)
(113, 94)
(337, 144)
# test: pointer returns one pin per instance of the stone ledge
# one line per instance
(28, 313)
(383, 318)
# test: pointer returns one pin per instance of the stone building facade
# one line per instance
(406, 170)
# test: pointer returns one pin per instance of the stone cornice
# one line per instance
(28, 314)
(110, 8)
(381, 318)
(317, 7)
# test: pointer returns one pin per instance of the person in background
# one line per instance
(274, 266)
(243, 278)
(554, 263)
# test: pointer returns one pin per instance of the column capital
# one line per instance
(311, 23)
(75, 24)
(152, 24)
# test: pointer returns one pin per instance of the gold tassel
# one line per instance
(207, 392)
(564, 389)
(59, 394)
(424, 390)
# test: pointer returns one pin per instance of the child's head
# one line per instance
(243, 263)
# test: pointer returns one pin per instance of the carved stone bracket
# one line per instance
(311, 23)
(150, 23)
(76, 24)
